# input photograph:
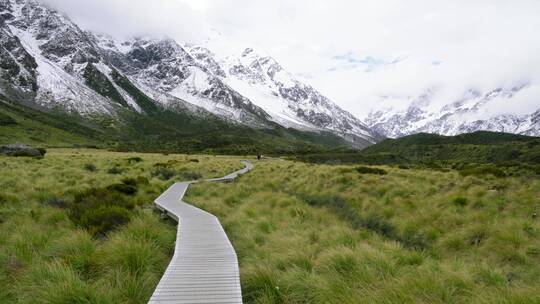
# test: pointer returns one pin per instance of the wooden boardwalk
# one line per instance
(204, 268)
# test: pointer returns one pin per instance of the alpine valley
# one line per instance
(148, 93)
(160, 90)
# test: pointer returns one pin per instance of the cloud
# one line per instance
(127, 18)
(356, 51)
(455, 45)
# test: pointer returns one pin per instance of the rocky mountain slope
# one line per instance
(47, 61)
(472, 112)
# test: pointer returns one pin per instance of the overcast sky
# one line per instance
(357, 51)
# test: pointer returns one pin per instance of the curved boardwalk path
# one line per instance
(204, 268)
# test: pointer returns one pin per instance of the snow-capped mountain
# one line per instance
(48, 61)
(287, 100)
(472, 112)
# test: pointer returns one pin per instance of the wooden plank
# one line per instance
(204, 267)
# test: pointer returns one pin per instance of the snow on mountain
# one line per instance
(472, 112)
(286, 99)
(55, 52)
(49, 60)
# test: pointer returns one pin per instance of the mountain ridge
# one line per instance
(469, 113)
(55, 64)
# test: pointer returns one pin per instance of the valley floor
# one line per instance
(78, 227)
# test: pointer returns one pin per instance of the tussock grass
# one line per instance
(73, 235)
(326, 234)
(303, 233)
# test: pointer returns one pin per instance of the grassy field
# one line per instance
(338, 234)
(70, 234)
(78, 227)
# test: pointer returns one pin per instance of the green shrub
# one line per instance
(379, 225)
(123, 188)
(55, 201)
(115, 170)
(460, 201)
(134, 160)
(369, 170)
(482, 170)
(129, 181)
(104, 219)
(190, 175)
(90, 167)
(164, 173)
(101, 210)
(140, 180)
(414, 239)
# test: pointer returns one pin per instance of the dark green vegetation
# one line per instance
(159, 130)
(477, 153)
(6, 120)
(370, 170)
(43, 129)
(71, 232)
(101, 84)
(144, 102)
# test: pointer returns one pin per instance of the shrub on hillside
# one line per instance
(482, 170)
(370, 170)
